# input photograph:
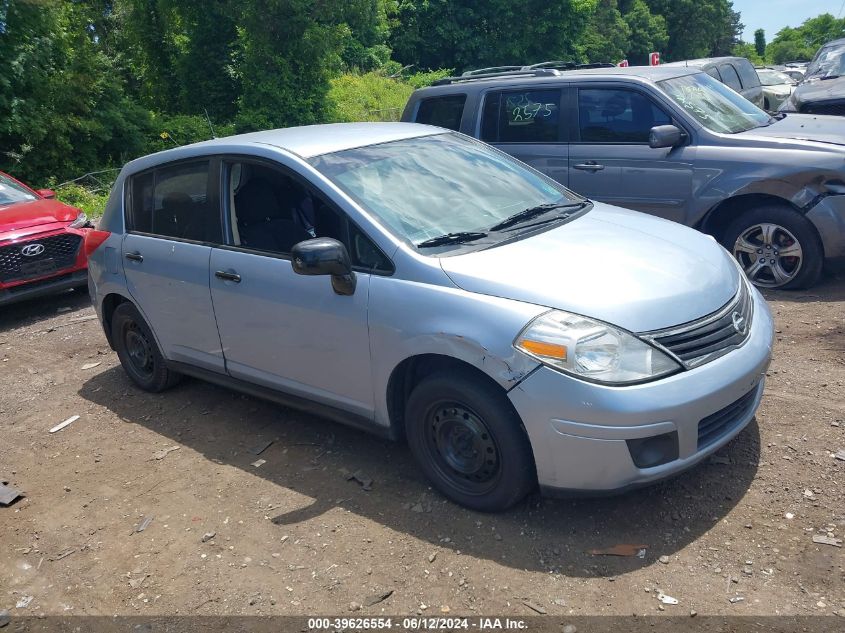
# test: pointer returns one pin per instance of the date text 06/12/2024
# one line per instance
(417, 624)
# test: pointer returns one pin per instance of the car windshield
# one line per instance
(829, 62)
(432, 186)
(12, 192)
(773, 77)
(713, 104)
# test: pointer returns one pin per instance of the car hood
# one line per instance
(626, 268)
(26, 214)
(816, 91)
(802, 127)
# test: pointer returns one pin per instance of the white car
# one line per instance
(777, 87)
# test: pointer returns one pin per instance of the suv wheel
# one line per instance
(469, 441)
(138, 352)
(777, 247)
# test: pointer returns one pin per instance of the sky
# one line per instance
(773, 15)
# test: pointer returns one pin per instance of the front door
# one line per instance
(173, 214)
(279, 329)
(610, 159)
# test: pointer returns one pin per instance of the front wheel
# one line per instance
(777, 247)
(469, 441)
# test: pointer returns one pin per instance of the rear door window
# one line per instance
(523, 116)
(747, 75)
(714, 72)
(611, 115)
(443, 111)
(175, 201)
(730, 77)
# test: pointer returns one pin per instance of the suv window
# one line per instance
(713, 72)
(174, 201)
(747, 75)
(442, 111)
(524, 116)
(610, 115)
(729, 77)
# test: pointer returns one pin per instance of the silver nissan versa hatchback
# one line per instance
(420, 284)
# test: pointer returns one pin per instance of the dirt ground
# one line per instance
(295, 536)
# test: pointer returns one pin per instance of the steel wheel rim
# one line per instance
(770, 254)
(139, 351)
(462, 448)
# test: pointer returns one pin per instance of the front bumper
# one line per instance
(42, 287)
(828, 216)
(579, 431)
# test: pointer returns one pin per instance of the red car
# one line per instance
(41, 243)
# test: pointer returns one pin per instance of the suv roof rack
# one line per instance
(542, 69)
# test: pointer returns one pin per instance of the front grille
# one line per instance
(719, 424)
(60, 251)
(835, 108)
(715, 335)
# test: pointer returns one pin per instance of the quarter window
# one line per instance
(617, 116)
(174, 201)
(729, 77)
(747, 75)
(442, 111)
(525, 116)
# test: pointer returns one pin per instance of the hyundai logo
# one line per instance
(739, 322)
(31, 250)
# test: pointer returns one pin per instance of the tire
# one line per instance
(759, 239)
(138, 351)
(468, 439)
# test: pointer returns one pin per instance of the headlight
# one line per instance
(592, 350)
(80, 221)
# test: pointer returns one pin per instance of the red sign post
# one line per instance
(654, 59)
(623, 63)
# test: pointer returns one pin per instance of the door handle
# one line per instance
(135, 257)
(222, 274)
(590, 165)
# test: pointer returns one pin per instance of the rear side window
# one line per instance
(175, 201)
(525, 116)
(442, 111)
(747, 75)
(610, 115)
(729, 77)
(713, 72)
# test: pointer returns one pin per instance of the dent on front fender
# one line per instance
(508, 371)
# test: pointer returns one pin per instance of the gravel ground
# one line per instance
(294, 535)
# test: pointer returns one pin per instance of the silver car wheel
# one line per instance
(770, 254)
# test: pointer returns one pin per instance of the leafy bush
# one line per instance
(169, 131)
(93, 202)
(367, 97)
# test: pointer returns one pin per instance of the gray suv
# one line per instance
(417, 283)
(670, 141)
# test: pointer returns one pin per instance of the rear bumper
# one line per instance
(828, 216)
(583, 434)
(41, 287)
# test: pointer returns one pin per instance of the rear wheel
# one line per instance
(138, 352)
(469, 441)
(777, 247)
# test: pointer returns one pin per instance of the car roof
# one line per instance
(705, 61)
(305, 141)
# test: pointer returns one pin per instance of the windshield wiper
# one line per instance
(452, 238)
(533, 212)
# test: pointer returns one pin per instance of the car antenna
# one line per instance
(208, 119)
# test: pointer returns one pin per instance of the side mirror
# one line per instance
(325, 256)
(49, 194)
(665, 136)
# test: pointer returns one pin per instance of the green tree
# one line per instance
(476, 33)
(760, 42)
(802, 42)
(63, 107)
(744, 49)
(607, 37)
(648, 32)
(698, 28)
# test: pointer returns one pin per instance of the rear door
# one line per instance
(610, 159)
(751, 87)
(173, 219)
(530, 125)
